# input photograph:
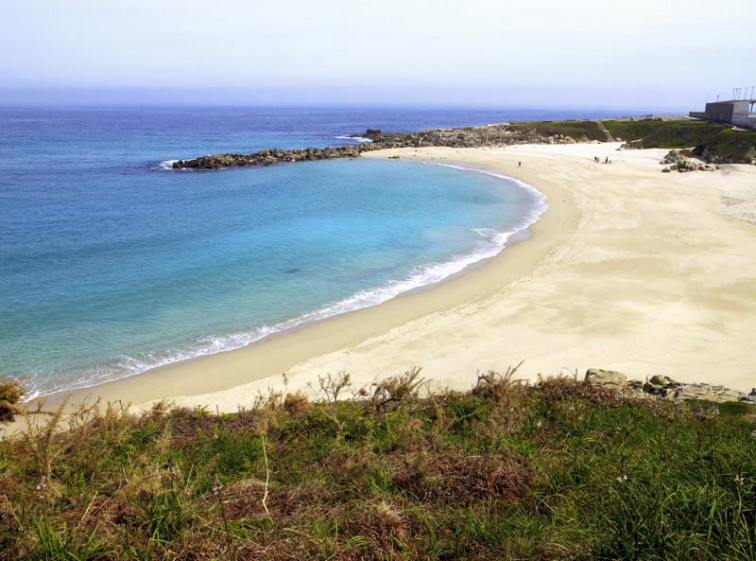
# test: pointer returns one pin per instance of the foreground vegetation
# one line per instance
(557, 470)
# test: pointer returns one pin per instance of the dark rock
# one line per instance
(659, 391)
(466, 137)
(632, 145)
(272, 156)
(661, 380)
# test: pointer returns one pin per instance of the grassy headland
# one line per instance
(712, 142)
(556, 470)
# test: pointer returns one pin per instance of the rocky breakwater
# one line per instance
(663, 387)
(272, 156)
(468, 137)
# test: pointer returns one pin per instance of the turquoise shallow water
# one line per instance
(110, 265)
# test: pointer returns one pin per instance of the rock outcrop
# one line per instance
(681, 161)
(663, 387)
(709, 154)
(466, 137)
(606, 378)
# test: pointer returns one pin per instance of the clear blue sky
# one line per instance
(587, 53)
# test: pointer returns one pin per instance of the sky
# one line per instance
(566, 53)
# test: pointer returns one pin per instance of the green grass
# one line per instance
(707, 139)
(576, 129)
(559, 470)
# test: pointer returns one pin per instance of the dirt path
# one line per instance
(602, 126)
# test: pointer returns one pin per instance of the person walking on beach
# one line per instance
(519, 164)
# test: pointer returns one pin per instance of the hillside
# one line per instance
(557, 470)
(712, 142)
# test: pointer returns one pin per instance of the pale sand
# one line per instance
(629, 269)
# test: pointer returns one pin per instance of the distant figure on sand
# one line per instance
(519, 164)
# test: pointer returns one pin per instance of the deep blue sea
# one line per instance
(111, 264)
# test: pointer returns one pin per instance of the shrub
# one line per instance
(12, 392)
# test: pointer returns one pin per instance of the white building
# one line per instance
(737, 112)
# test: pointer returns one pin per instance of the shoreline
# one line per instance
(424, 277)
(439, 322)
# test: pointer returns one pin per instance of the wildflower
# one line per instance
(217, 485)
(622, 478)
(42, 485)
(739, 479)
(539, 423)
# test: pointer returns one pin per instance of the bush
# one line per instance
(12, 392)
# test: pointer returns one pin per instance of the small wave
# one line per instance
(167, 164)
(32, 394)
(539, 197)
(359, 139)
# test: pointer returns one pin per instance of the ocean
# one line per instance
(111, 264)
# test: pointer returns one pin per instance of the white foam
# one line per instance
(167, 164)
(31, 395)
(540, 197)
(360, 139)
(492, 242)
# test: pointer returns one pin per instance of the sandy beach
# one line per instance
(629, 269)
